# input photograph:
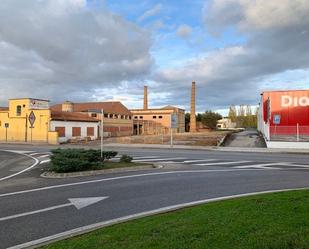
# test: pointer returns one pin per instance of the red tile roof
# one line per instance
(4, 108)
(114, 107)
(71, 116)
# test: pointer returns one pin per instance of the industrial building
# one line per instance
(117, 118)
(150, 121)
(283, 118)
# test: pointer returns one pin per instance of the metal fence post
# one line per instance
(297, 130)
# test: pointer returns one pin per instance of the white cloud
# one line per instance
(184, 31)
(151, 12)
(71, 54)
(277, 37)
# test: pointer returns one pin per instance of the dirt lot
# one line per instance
(211, 138)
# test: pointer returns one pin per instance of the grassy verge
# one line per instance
(271, 221)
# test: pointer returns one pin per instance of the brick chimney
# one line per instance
(192, 112)
(145, 98)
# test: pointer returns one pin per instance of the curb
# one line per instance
(54, 175)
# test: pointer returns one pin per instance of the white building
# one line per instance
(74, 126)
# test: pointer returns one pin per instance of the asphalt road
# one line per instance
(33, 208)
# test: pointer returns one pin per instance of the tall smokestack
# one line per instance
(192, 112)
(145, 97)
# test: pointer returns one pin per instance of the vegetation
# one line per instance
(71, 160)
(276, 221)
(243, 117)
(208, 118)
(126, 159)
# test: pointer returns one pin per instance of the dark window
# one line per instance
(18, 110)
(105, 115)
(76, 131)
(141, 117)
(154, 117)
(160, 117)
(135, 117)
(90, 131)
(61, 131)
(94, 115)
(130, 117)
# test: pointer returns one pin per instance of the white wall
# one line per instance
(288, 145)
(68, 129)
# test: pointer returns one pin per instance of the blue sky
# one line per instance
(99, 50)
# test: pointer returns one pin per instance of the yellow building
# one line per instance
(26, 120)
(148, 121)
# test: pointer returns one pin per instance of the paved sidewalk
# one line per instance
(209, 148)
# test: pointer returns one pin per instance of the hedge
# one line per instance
(70, 160)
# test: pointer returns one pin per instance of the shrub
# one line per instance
(70, 160)
(126, 159)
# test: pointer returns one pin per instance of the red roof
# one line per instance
(114, 107)
(71, 116)
(4, 108)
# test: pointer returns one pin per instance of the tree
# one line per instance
(210, 119)
(232, 113)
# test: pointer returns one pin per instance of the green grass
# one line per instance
(272, 221)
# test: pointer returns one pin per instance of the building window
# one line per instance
(141, 117)
(135, 117)
(130, 117)
(76, 131)
(110, 115)
(94, 115)
(160, 117)
(61, 131)
(105, 115)
(90, 131)
(18, 110)
(154, 117)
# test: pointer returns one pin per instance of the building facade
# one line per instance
(117, 119)
(284, 115)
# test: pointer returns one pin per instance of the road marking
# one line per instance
(78, 203)
(36, 162)
(45, 161)
(34, 154)
(19, 151)
(43, 156)
(259, 166)
(160, 159)
(295, 165)
(125, 177)
(91, 227)
(200, 160)
(222, 163)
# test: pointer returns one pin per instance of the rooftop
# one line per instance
(71, 116)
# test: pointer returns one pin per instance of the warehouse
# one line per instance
(117, 118)
(283, 118)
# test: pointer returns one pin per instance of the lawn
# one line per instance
(271, 221)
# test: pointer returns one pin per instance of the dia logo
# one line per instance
(288, 101)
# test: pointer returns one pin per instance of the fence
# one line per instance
(296, 133)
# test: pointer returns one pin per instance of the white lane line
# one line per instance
(91, 227)
(78, 203)
(36, 162)
(160, 159)
(36, 153)
(200, 160)
(45, 161)
(20, 151)
(43, 156)
(126, 177)
(222, 163)
(258, 166)
(295, 165)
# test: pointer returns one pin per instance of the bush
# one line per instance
(70, 160)
(126, 159)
